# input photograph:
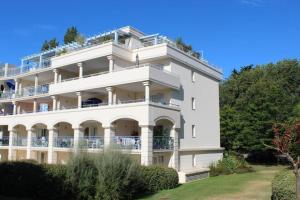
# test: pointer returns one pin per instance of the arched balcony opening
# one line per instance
(93, 135)
(162, 135)
(19, 136)
(127, 133)
(63, 135)
(40, 135)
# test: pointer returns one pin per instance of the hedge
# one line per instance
(158, 178)
(284, 186)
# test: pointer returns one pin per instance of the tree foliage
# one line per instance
(255, 98)
(47, 45)
(71, 35)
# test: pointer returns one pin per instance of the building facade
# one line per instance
(144, 94)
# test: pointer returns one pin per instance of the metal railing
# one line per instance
(19, 141)
(32, 91)
(127, 142)
(92, 142)
(7, 94)
(39, 142)
(163, 142)
(4, 141)
(63, 141)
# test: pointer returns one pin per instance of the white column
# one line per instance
(52, 134)
(20, 88)
(147, 145)
(53, 102)
(80, 67)
(110, 95)
(147, 90)
(59, 78)
(36, 83)
(79, 99)
(109, 134)
(55, 76)
(18, 108)
(14, 108)
(34, 105)
(111, 63)
(78, 135)
(16, 86)
(58, 104)
(11, 152)
(175, 156)
(29, 136)
(5, 69)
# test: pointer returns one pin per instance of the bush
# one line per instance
(31, 180)
(158, 178)
(230, 164)
(284, 186)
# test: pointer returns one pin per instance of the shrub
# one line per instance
(284, 186)
(230, 164)
(119, 176)
(81, 174)
(158, 178)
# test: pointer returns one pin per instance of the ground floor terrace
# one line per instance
(56, 142)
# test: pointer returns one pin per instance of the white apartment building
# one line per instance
(141, 93)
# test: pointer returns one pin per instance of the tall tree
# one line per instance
(45, 46)
(255, 98)
(70, 35)
(53, 43)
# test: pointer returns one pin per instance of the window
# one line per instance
(193, 76)
(193, 103)
(193, 131)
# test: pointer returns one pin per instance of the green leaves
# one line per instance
(254, 98)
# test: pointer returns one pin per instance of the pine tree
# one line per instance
(70, 35)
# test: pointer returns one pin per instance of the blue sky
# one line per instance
(232, 33)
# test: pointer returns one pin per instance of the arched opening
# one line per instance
(4, 142)
(63, 135)
(19, 139)
(163, 140)
(39, 142)
(127, 133)
(93, 134)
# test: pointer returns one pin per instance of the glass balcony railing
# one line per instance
(92, 142)
(163, 143)
(20, 141)
(32, 91)
(39, 142)
(7, 94)
(127, 142)
(63, 142)
(4, 141)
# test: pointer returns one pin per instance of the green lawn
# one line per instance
(255, 185)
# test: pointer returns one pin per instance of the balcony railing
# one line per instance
(7, 94)
(92, 142)
(4, 141)
(20, 141)
(128, 142)
(39, 142)
(163, 143)
(32, 91)
(63, 142)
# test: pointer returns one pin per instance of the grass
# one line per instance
(254, 185)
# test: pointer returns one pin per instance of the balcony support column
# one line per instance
(18, 108)
(147, 145)
(28, 150)
(58, 104)
(55, 75)
(109, 134)
(79, 99)
(11, 151)
(5, 69)
(34, 105)
(80, 67)
(53, 103)
(174, 158)
(20, 88)
(111, 59)
(52, 156)
(110, 95)
(78, 135)
(36, 83)
(14, 108)
(16, 86)
(147, 90)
